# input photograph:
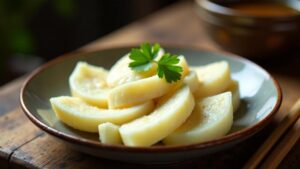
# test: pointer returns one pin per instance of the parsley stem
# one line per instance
(154, 61)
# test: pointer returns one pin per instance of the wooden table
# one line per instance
(22, 145)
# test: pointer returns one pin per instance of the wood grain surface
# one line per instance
(22, 145)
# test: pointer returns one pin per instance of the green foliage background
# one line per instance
(15, 34)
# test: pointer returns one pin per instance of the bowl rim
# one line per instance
(238, 135)
(226, 11)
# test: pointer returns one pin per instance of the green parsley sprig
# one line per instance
(143, 57)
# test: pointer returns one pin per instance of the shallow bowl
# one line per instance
(260, 99)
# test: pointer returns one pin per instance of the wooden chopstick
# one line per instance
(286, 122)
(281, 150)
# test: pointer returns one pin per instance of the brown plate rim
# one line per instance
(244, 133)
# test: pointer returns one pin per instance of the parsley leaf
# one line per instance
(167, 68)
(143, 58)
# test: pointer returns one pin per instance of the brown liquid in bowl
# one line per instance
(264, 9)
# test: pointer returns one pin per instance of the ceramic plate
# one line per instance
(260, 99)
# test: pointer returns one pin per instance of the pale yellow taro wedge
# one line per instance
(171, 112)
(214, 78)
(234, 89)
(88, 82)
(79, 115)
(142, 90)
(109, 133)
(192, 81)
(121, 73)
(212, 118)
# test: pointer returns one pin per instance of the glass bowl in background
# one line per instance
(262, 32)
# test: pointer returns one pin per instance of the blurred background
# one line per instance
(35, 31)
